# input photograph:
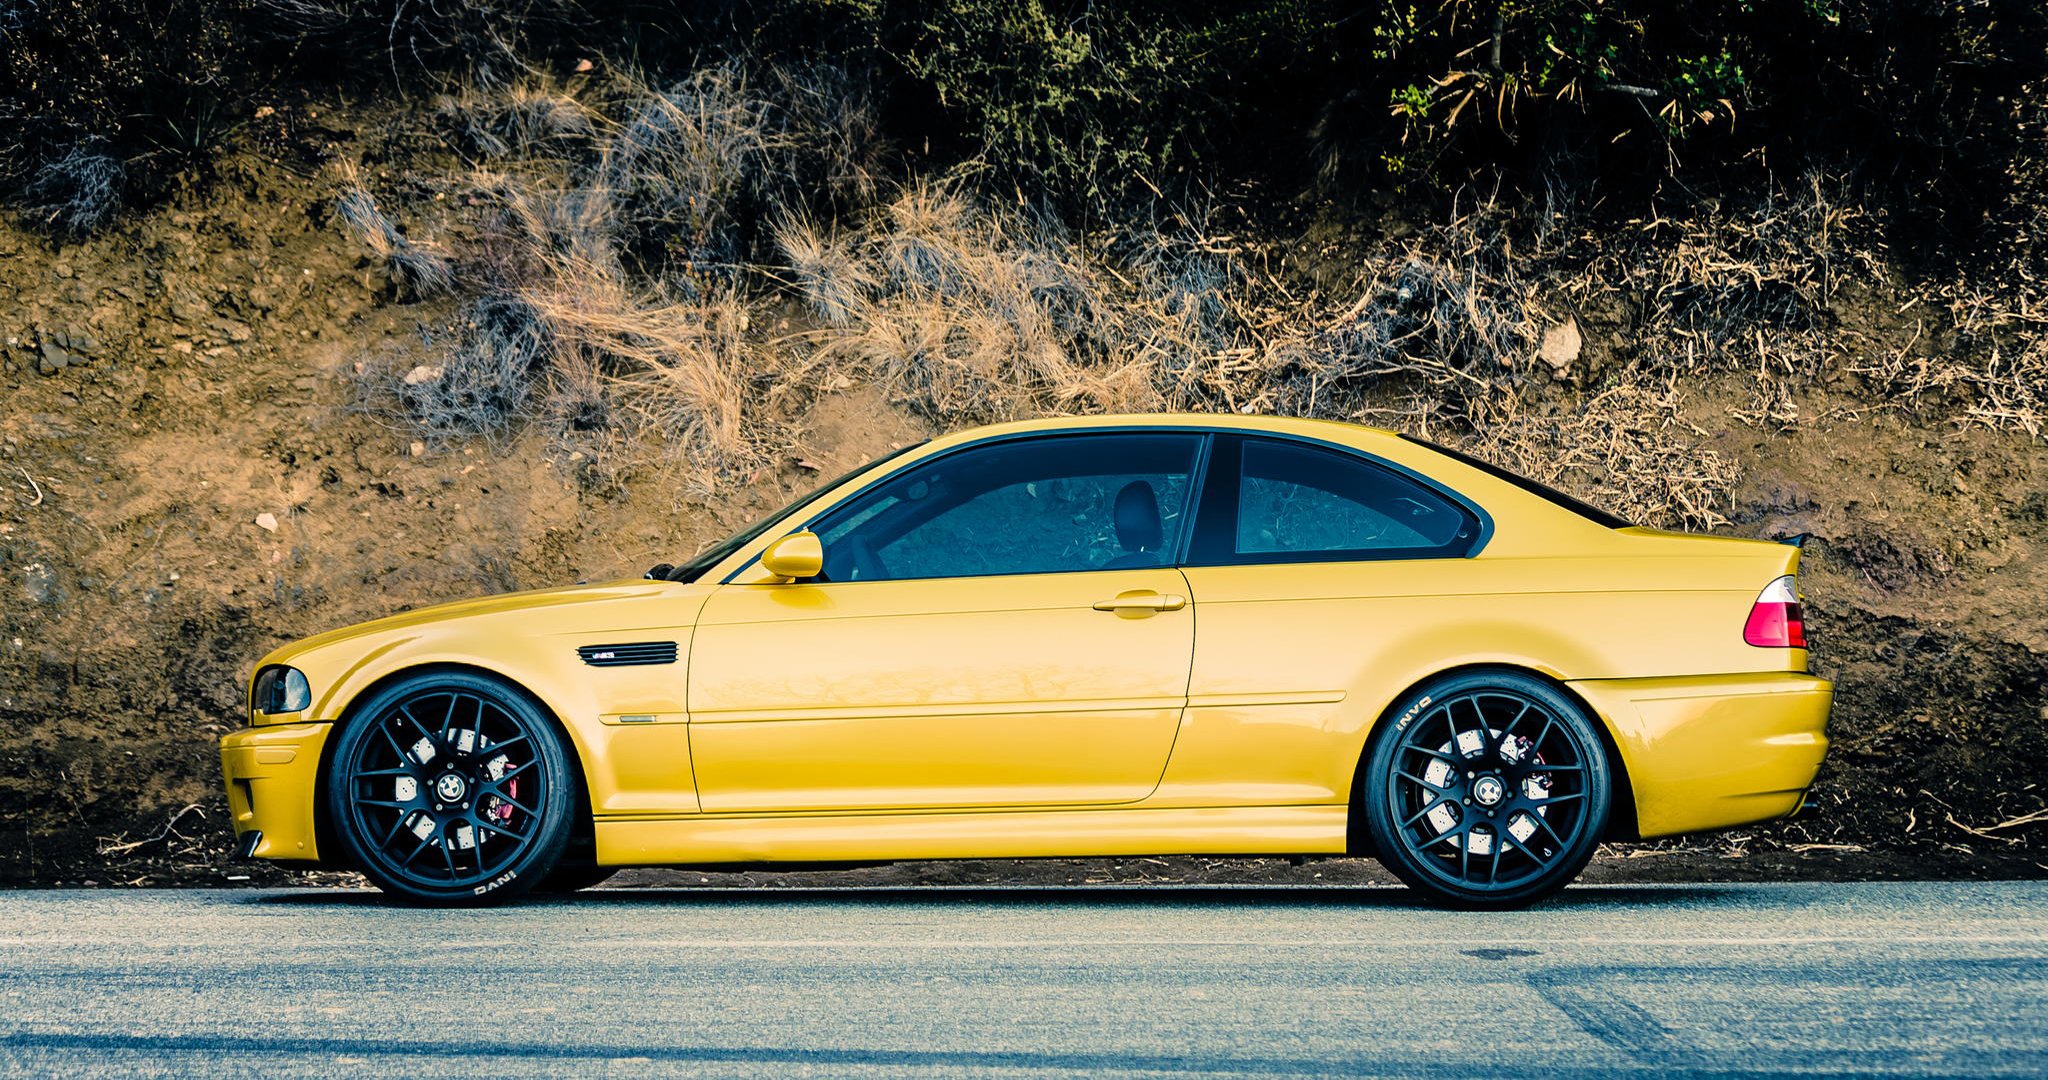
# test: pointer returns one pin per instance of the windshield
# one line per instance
(716, 553)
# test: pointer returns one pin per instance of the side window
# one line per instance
(1290, 502)
(1062, 503)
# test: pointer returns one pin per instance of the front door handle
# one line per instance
(1142, 601)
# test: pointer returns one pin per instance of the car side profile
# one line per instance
(1136, 635)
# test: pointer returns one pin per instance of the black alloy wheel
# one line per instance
(451, 789)
(1486, 790)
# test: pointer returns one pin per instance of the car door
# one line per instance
(1306, 560)
(1000, 625)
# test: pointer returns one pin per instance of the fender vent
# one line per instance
(637, 652)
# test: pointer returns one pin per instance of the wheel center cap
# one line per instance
(450, 787)
(1487, 790)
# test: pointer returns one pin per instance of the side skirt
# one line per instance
(1253, 830)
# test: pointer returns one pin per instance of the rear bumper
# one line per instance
(1716, 751)
(272, 773)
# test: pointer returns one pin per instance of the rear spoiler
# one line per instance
(1797, 540)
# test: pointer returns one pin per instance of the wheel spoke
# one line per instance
(516, 803)
(481, 823)
(424, 841)
(1406, 775)
(493, 785)
(1541, 862)
(403, 757)
(1424, 812)
(514, 741)
(1549, 724)
(1545, 826)
(421, 728)
(1509, 728)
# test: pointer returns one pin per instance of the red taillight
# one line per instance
(1775, 622)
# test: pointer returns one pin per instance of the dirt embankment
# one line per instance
(196, 463)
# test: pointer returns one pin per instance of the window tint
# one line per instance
(1032, 506)
(1290, 502)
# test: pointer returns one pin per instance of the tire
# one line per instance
(450, 789)
(1489, 815)
(569, 877)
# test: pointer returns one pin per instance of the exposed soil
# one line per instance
(190, 475)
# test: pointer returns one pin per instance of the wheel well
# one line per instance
(323, 829)
(1621, 821)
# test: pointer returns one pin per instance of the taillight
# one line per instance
(1775, 622)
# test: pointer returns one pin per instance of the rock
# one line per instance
(1561, 345)
(418, 448)
(267, 522)
(53, 359)
(77, 340)
(422, 374)
(40, 582)
(188, 308)
(237, 332)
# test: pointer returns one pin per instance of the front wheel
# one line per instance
(450, 789)
(1488, 790)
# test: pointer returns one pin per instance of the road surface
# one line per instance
(1911, 979)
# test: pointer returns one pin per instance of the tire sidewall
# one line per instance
(552, 836)
(1393, 851)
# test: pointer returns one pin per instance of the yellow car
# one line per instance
(1105, 636)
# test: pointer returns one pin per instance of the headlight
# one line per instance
(281, 690)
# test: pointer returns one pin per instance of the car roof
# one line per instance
(1333, 430)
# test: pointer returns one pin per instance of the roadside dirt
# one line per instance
(189, 475)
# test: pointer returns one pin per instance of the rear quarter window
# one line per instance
(1542, 491)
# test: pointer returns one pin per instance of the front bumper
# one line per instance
(1717, 751)
(272, 774)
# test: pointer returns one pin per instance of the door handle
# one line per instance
(1142, 602)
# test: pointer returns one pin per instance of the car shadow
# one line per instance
(1149, 896)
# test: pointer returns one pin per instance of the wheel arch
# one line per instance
(581, 820)
(1621, 822)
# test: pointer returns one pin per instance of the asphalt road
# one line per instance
(1910, 979)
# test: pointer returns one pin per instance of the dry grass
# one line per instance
(655, 234)
(416, 269)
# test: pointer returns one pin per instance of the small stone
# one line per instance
(422, 374)
(267, 522)
(63, 270)
(1561, 345)
(418, 448)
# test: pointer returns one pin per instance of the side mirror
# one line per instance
(798, 555)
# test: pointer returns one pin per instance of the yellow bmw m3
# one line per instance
(1104, 636)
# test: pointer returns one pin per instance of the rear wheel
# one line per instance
(450, 789)
(1490, 790)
